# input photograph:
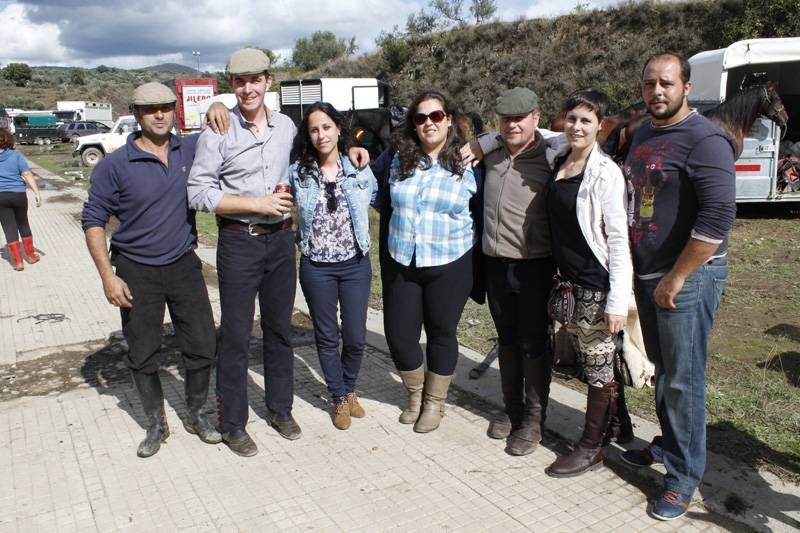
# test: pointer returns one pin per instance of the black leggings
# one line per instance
(429, 296)
(14, 215)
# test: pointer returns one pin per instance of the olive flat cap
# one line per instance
(515, 102)
(247, 61)
(153, 93)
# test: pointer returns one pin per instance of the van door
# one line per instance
(756, 168)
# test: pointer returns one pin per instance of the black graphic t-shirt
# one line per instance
(684, 186)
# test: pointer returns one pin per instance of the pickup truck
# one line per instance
(92, 148)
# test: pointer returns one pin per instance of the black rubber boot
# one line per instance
(588, 454)
(196, 421)
(525, 438)
(149, 387)
(512, 382)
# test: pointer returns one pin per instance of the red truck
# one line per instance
(194, 96)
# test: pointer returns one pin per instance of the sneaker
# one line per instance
(340, 410)
(285, 424)
(652, 455)
(671, 505)
(356, 411)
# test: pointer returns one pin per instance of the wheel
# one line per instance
(91, 156)
(47, 141)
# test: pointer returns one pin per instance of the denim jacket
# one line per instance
(360, 188)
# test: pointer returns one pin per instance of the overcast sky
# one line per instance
(138, 33)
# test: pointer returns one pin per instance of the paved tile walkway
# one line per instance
(68, 460)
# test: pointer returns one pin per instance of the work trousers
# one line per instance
(181, 288)
(250, 266)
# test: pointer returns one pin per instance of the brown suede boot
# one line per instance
(525, 438)
(512, 383)
(588, 454)
(436, 387)
(340, 411)
(413, 381)
(356, 411)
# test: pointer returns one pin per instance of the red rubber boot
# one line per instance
(16, 255)
(30, 252)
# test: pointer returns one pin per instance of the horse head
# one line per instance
(772, 106)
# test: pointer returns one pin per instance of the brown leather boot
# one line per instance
(340, 411)
(356, 411)
(15, 253)
(620, 426)
(435, 394)
(525, 438)
(588, 454)
(413, 381)
(512, 383)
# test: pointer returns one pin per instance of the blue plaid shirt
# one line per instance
(431, 218)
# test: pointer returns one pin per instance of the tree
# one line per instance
(449, 9)
(271, 56)
(323, 46)
(422, 22)
(394, 49)
(18, 73)
(482, 10)
(77, 76)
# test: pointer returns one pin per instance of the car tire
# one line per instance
(91, 156)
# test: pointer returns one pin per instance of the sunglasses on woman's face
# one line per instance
(330, 188)
(435, 116)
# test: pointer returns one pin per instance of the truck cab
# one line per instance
(717, 74)
(93, 148)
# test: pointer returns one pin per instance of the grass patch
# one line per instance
(57, 158)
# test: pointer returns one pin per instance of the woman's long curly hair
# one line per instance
(408, 145)
(307, 155)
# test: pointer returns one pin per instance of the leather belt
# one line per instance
(254, 229)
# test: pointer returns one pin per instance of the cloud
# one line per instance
(29, 42)
(122, 32)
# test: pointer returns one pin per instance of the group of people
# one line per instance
(538, 208)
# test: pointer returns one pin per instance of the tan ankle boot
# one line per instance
(436, 387)
(413, 381)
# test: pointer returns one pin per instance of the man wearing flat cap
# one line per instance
(519, 266)
(152, 263)
(235, 175)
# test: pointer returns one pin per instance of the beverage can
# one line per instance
(282, 187)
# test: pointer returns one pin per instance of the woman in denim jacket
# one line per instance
(333, 237)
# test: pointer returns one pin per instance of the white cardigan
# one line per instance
(602, 216)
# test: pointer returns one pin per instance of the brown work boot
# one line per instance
(356, 411)
(527, 436)
(512, 383)
(340, 411)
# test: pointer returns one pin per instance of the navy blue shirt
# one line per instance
(156, 226)
(684, 186)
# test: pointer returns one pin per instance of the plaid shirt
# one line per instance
(431, 221)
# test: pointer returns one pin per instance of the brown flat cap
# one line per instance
(247, 61)
(153, 93)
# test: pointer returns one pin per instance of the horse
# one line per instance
(735, 116)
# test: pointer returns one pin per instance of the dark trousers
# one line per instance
(517, 292)
(429, 296)
(14, 215)
(247, 266)
(181, 288)
(346, 285)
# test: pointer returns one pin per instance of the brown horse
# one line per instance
(735, 116)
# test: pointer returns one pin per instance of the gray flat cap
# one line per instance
(516, 102)
(153, 93)
(247, 61)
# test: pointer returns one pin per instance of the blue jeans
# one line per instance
(346, 285)
(676, 341)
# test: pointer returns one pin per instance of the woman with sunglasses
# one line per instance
(586, 207)
(427, 275)
(333, 237)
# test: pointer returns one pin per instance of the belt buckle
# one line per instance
(251, 230)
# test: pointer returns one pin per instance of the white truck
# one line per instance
(71, 110)
(92, 148)
(718, 73)
(345, 94)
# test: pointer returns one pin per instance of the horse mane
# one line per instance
(740, 110)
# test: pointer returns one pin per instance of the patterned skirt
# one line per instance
(594, 345)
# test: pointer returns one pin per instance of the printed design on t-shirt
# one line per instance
(645, 171)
